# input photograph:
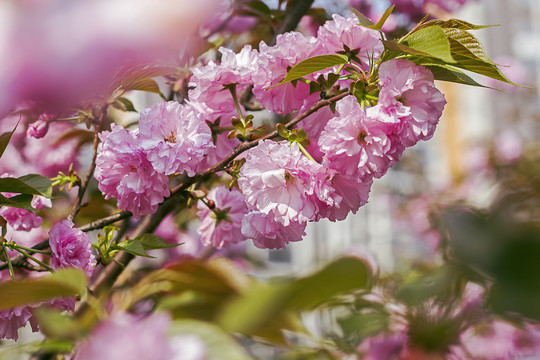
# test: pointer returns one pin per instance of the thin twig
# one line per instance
(91, 168)
(298, 9)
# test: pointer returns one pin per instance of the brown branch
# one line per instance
(91, 168)
(292, 17)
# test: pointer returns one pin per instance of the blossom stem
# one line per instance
(340, 68)
(39, 262)
(303, 150)
(8, 260)
(232, 89)
(44, 252)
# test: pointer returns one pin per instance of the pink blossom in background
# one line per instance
(356, 144)
(508, 146)
(24, 220)
(226, 231)
(116, 33)
(124, 172)
(125, 336)
(71, 248)
(38, 129)
(208, 80)
(384, 346)
(274, 62)
(278, 180)
(342, 32)
(408, 94)
(13, 319)
(267, 233)
(175, 137)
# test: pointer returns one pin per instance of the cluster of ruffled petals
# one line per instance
(71, 247)
(267, 233)
(13, 319)
(222, 224)
(346, 36)
(123, 171)
(209, 81)
(174, 136)
(278, 180)
(274, 62)
(409, 99)
(356, 143)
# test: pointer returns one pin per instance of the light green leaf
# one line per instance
(32, 184)
(383, 18)
(363, 19)
(467, 40)
(431, 41)
(219, 344)
(152, 242)
(452, 24)
(64, 282)
(312, 65)
(5, 138)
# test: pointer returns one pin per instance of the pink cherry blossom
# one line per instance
(267, 233)
(274, 62)
(278, 180)
(124, 172)
(342, 32)
(71, 248)
(209, 81)
(13, 319)
(356, 144)
(408, 92)
(124, 336)
(219, 232)
(24, 220)
(353, 192)
(174, 136)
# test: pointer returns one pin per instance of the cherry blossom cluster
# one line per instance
(283, 185)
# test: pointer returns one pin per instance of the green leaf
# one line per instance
(57, 326)
(5, 138)
(124, 104)
(312, 65)
(452, 24)
(401, 48)
(152, 242)
(383, 18)
(363, 19)
(219, 344)
(32, 184)
(19, 201)
(134, 247)
(431, 41)
(64, 282)
(341, 276)
(468, 61)
(467, 40)
(140, 78)
(447, 73)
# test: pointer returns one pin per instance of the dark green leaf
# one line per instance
(4, 140)
(134, 247)
(312, 65)
(341, 276)
(32, 184)
(124, 104)
(19, 201)
(152, 242)
(447, 73)
(64, 282)
(259, 7)
(467, 40)
(431, 41)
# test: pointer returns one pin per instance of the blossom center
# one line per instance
(171, 138)
(361, 138)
